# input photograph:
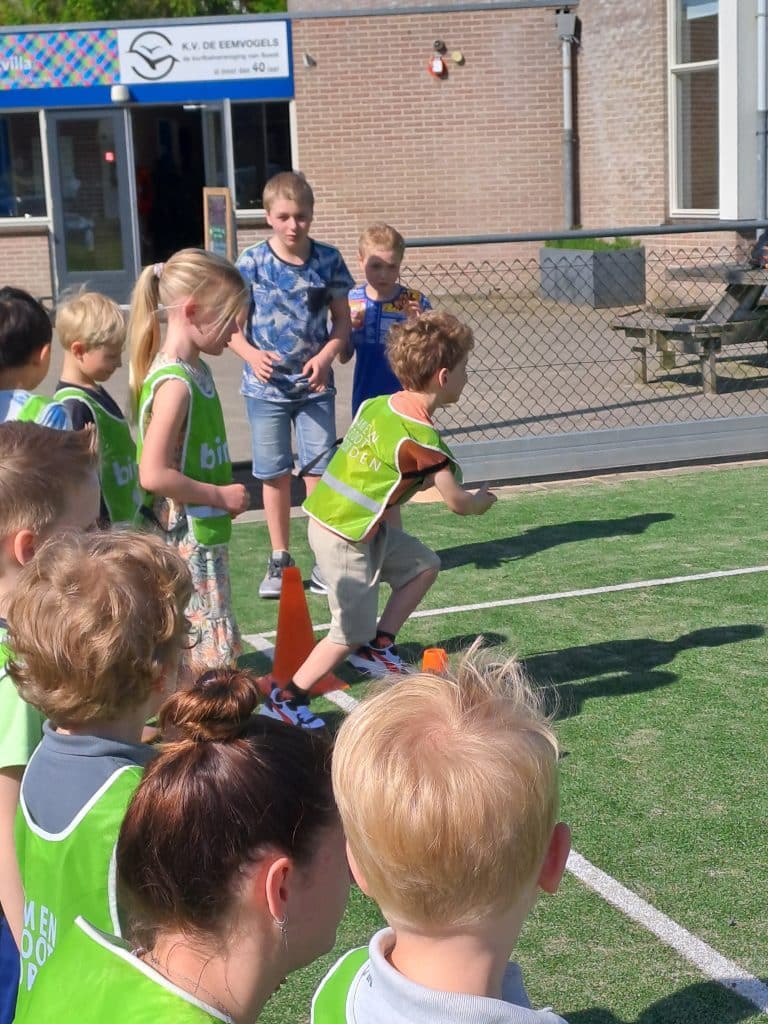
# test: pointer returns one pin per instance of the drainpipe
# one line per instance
(762, 109)
(566, 31)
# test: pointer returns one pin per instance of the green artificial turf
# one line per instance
(661, 696)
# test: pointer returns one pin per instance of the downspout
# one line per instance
(762, 109)
(566, 30)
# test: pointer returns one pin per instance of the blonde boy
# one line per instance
(447, 789)
(96, 625)
(297, 324)
(48, 482)
(391, 450)
(376, 306)
(91, 330)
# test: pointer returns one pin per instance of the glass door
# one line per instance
(92, 208)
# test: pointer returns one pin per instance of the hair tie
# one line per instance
(157, 270)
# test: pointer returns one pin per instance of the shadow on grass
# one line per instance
(623, 666)
(490, 554)
(706, 1002)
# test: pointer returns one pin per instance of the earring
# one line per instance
(282, 924)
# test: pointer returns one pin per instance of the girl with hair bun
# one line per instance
(225, 889)
(184, 465)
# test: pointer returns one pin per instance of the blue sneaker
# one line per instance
(290, 710)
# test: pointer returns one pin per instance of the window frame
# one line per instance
(245, 214)
(41, 220)
(676, 72)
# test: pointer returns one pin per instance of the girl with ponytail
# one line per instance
(184, 466)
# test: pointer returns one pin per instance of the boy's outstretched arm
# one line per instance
(11, 891)
(459, 500)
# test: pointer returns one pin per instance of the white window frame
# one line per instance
(45, 219)
(675, 72)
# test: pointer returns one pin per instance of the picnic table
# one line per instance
(735, 317)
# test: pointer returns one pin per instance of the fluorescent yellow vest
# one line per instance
(354, 491)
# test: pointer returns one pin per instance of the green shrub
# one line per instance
(592, 243)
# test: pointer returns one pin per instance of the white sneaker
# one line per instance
(378, 661)
(272, 584)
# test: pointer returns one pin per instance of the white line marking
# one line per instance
(711, 963)
(708, 960)
(428, 613)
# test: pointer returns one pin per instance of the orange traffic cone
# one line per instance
(295, 638)
(435, 660)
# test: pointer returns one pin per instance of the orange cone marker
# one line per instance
(434, 660)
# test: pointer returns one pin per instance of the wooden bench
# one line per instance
(735, 317)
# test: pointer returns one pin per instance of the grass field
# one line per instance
(662, 695)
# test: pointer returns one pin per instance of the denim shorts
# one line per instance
(314, 419)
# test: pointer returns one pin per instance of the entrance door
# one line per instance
(93, 237)
(177, 150)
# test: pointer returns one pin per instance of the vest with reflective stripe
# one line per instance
(96, 979)
(117, 457)
(329, 1003)
(354, 491)
(69, 873)
(205, 453)
(32, 408)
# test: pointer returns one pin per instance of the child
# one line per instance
(447, 790)
(375, 307)
(96, 625)
(182, 443)
(390, 451)
(25, 354)
(288, 348)
(48, 483)
(91, 330)
(227, 889)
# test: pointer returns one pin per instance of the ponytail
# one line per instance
(143, 331)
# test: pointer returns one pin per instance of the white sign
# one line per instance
(203, 53)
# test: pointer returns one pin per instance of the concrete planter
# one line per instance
(600, 278)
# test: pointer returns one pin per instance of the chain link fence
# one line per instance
(549, 358)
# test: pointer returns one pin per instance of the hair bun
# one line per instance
(216, 708)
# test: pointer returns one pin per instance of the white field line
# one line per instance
(697, 952)
(428, 613)
(711, 963)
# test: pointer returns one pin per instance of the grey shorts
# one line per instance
(353, 572)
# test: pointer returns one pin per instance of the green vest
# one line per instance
(205, 453)
(117, 456)
(96, 978)
(329, 1003)
(22, 725)
(69, 873)
(354, 491)
(32, 408)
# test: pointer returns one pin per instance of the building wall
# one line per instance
(381, 139)
(26, 263)
(621, 115)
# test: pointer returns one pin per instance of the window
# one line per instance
(261, 142)
(22, 189)
(694, 106)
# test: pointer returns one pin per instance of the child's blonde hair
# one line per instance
(288, 185)
(381, 236)
(94, 621)
(419, 347)
(40, 470)
(91, 318)
(211, 280)
(447, 789)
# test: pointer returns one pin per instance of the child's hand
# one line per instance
(262, 362)
(234, 498)
(316, 371)
(483, 499)
(413, 308)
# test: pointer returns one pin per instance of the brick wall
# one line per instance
(622, 113)
(380, 138)
(25, 262)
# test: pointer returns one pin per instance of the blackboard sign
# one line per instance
(218, 222)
